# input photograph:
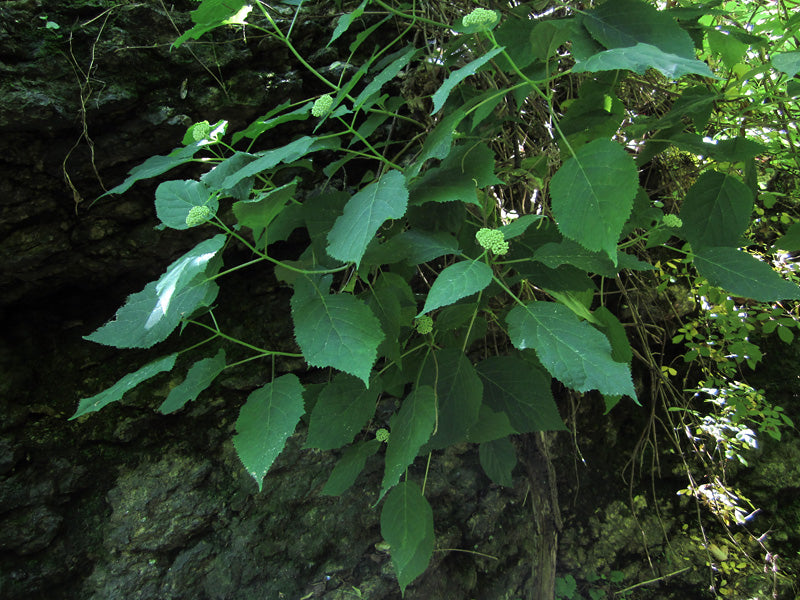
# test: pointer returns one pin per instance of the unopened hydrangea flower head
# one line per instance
(201, 130)
(322, 105)
(672, 221)
(198, 215)
(479, 16)
(493, 240)
(382, 435)
(424, 324)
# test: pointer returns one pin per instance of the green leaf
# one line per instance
(521, 391)
(382, 78)
(459, 75)
(498, 459)
(571, 350)
(593, 195)
(342, 409)
(271, 158)
(199, 377)
(621, 350)
(157, 165)
(742, 274)
(546, 37)
(411, 427)
(418, 246)
(130, 381)
(787, 62)
(790, 241)
(554, 255)
(258, 213)
(518, 226)
(212, 14)
(215, 178)
(336, 330)
(344, 22)
(641, 57)
(596, 113)
(727, 46)
(624, 23)
(438, 143)
(490, 426)
(270, 121)
(363, 215)
(174, 200)
(457, 281)
(733, 150)
(390, 298)
(346, 471)
(517, 36)
(560, 279)
(265, 422)
(149, 316)
(407, 525)
(465, 170)
(577, 302)
(716, 210)
(459, 392)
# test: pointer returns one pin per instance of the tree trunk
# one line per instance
(546, 514)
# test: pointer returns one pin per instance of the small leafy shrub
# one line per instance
(470, 262)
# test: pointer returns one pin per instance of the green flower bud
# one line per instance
(672, 221)
(198, 215)
(200, 130)
(479, 16)
(424, 324)
(322, 105)
(493, 240)
(382, 435)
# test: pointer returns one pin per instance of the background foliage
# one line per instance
(498, 209)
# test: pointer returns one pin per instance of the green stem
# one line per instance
(262, 351)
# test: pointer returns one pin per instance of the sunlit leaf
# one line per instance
(744, 275)
(174, 200)
(149, 316)
(459, 75)
(265, 422)
(593, 195)
(411, 428)
(641, 57)
(457, 281)
(407, 525)
(716, 210)
(198, 378)
(364, 213)
(570, 349)
(130, 381)
(334, 330)
(624, 23)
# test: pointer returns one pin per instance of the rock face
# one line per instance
(128, 504)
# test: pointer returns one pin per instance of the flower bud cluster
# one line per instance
(382, 435)
(424, 324)
(479, 16)
(322, 105)
(198, 215)
(672, 221)
(493, 240)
